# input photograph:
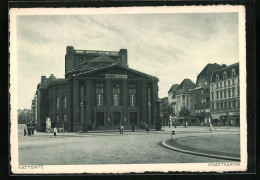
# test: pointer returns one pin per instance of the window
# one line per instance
(234, 104)
(229, 93)
(132, 95)
(225, 93)
(238, 91)
(217, 85)
(228, 82)
(212, 105)
(217, 105)
(65, 102)
(233, 92)
(233, 81)
(221, 94)
(225, 83)
(225, 105)
(116, 92)
(233, 72)
(65, 118)
(99, 94)
(217, 77)
(220, 84)
(217, 94)
(221, 105)
(212, 86)
(212, 96)
(225, 75)
(57, 102)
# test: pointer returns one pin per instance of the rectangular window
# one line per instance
(212, 86)
(233, 81)
(229, 93)
(221, 105)
(99, 94)
(65, 118)
(225, 83)
(217, 105)
(225, 93)
(217, 95)
(229, 104)
(212, 105)
(212, 96)
(234, 104)
(57, 102)
(65, 102)
(225, 105)
(221, 94)
(220, 84)
(228, 82)
(116, 99)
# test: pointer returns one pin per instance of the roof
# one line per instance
(119, 66)
(173, 88)
(186, 84)
(228, 70)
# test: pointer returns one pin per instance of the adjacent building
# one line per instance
(202, 93)
(225, 96)
(185, 98)
(99, 91)
(172, 97)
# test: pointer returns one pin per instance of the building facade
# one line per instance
(202, 93)
(172, 97)
(225, 96)
(185, 98)
(99, 91)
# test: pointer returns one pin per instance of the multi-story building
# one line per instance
(202, 93)
(185, 98)
(172, 97)
(99, 91)
(224, 96)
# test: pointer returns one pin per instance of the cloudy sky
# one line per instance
(169, 46)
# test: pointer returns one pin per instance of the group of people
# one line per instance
(28, 130)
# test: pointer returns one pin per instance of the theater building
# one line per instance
(225, 96)
(99, 91)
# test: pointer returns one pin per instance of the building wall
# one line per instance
(224, 96)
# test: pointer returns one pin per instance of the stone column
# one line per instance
(125, 105)
(108, 100)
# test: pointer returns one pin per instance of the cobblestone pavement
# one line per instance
(107, 148)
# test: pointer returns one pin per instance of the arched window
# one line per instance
(233, 72)
(225, 75)
(217, 77)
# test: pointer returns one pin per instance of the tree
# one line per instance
(165, 110)
(185, 112)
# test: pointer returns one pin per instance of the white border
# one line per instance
(126, 168)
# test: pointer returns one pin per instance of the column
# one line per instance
(88, 102)
(108, 100)
(76, 104)
(125, 105)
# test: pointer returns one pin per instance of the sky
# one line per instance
(170, 46)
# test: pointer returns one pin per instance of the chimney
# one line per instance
(123, 56)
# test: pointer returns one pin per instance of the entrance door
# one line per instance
(133, 118)
(116, 118)
(100, 118)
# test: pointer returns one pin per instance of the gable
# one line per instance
(116, 72)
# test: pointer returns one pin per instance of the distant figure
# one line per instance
(147, 128)
(169, 124)
(175, 124)
(119, 128)
(210, 127)
(32, 130)
(24, 131)
(55, 132)
(122, 129)
(29, 130)
(133, 127)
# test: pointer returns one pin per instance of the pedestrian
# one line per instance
(29, 130)
(210, 127)
(175, 124)
(133, 127)
(147, 128)
(32, 130)
(55, 131)
(122, 129)
(119, 128)
(24, 131)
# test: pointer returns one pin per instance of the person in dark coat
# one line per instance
(147, 128)
(24, 131)
(133, 127)
(119, 128)
(32, 130)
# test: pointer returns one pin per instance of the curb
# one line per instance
(199, 154)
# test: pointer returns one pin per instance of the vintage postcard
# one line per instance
(128, 89)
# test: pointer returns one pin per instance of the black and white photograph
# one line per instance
(128, 89)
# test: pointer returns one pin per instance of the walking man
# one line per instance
(122, 129)
(133, 127)
(147, 128)
(55, 131)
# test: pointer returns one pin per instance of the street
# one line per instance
(107, 148)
